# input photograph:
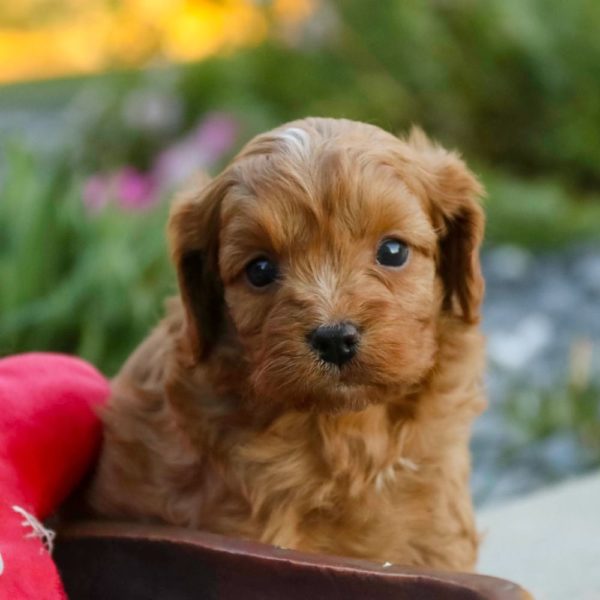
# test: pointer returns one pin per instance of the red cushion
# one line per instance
(49, 435)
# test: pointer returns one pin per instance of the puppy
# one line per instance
(315, 384)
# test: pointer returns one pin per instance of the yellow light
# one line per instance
(95, 35)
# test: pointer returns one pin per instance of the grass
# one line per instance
(544, 413)
(74, 282)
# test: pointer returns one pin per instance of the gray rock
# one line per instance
(537, 309)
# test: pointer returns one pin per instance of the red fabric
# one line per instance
(49, 434)
(28, 570)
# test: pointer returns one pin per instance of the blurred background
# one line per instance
(107, 106)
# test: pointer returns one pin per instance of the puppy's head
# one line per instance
(327, 254)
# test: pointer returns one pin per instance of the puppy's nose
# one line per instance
(336, 343)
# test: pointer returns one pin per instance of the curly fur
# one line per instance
(225, 420)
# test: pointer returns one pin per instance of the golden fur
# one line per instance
(225, 420)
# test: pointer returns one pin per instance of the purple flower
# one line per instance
(200, 149)
(134, 190)
(215, 136)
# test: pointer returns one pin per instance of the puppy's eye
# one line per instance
(261, 272)
(392, 253)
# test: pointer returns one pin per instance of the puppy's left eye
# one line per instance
(261, 272)
(392, 253)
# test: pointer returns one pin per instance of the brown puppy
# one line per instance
(315, 386)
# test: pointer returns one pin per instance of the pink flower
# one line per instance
(134, 190)
(199, 150)
(131, 189)
(215, 136)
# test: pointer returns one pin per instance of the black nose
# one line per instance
(336, 343)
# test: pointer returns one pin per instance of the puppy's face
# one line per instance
(319, 254)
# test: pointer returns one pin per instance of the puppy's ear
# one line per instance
(193, 233)
(453, 193)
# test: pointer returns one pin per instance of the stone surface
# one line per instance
(548, 542)
(542, 322)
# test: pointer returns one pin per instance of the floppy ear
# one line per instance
(193, 233)
(453, 193)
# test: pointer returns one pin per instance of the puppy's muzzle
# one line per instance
(335, 344)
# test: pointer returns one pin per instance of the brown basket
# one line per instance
(113, 561)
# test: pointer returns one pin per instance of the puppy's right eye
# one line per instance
(261, 272)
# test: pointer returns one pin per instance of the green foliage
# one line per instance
(539, 214)
(564, 412)
(510, 80)
(86, 284)
(564, 419)
(542, 413)
(510, 83)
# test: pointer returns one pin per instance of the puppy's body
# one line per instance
(226, 418)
